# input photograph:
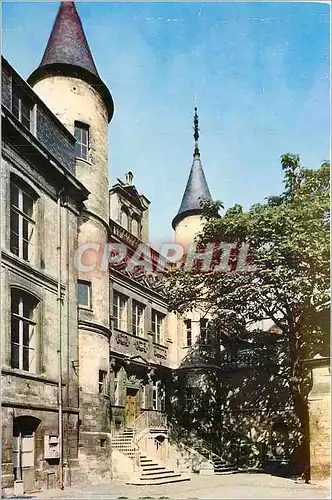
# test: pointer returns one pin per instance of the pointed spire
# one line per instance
(196, 133)
(67, 43)
(197, 187)
(68, 53)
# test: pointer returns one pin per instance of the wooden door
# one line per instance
(23, 460)
(131, 407)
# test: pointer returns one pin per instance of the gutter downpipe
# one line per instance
(59, 311)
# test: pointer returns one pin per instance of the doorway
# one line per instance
(131, 406)
(24, 448)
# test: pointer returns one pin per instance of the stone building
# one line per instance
(41, 200)
(93, 363)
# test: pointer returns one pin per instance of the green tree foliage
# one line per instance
(288, 238)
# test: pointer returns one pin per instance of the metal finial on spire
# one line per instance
(196, 132)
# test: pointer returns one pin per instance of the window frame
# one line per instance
(138, 320)
(88, 284)
(158, 336)
(25, 244)
(80, 144)
(119, 322)
(203, 330)
(24, 324)
(102, 382)
(22, 98)
(189, 332)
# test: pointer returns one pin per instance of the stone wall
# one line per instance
(34, 394)
(320, 419)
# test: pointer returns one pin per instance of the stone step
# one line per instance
(226, 472)
(159, 481)
(154, 468)
(146, 474)
(122, 441)
(157, 477)
(223, 469)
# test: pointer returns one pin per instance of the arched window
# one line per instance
(124, 219)
(135, 227)
(23, 330)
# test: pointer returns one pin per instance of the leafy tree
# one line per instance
(288, 282)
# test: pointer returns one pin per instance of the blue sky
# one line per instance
(260, 72)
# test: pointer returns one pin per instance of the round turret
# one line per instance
(68, 82)
(187, 223)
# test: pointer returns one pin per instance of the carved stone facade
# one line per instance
(86, 353)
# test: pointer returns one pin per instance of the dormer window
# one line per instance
(22, 107)
(82, 140)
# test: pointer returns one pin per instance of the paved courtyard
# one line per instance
(226, 486)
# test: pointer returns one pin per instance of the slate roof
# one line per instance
(196, 189)
(68, 53)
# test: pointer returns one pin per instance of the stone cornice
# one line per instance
(37, 406)
(26, 270)
(94, 327)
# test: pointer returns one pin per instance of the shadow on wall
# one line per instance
(236, 396)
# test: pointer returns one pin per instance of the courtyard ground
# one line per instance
(209, 487)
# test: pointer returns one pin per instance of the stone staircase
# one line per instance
(220, 466)
(123, 441)
(205, 448)
(150, 472)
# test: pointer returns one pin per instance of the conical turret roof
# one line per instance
(68, 53)
(196, 188)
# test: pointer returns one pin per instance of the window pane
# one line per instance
(85, 136)
(28, 307)
(15, 356)
(84, 153)
(77, 133)
(14, 221)
(78, 149)
(27, 205)
(14, 195)
(26, 358)
(15, 330)
(26, 334)
(102, 381)
(14, 245)
(15, 300)
(25, 229)
(84, 294)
